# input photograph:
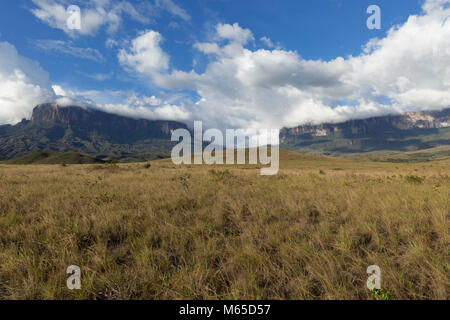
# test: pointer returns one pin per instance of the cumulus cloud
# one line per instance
(408, 70)
(150, 108)
(128, 104)
(23, 84)
(145, 55)
(65, 98)
(233, 32)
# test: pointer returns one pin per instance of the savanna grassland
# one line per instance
(160, 231)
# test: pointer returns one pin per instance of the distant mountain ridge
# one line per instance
(108, 136)
(88, 131)
(393, 133)
(406, 121)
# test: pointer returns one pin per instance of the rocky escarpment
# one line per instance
(87, 131)
(86, 120)
(373, 126)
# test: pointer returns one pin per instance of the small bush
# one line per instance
(221, 175)
(414, 178)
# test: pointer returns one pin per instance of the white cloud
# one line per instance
(127, 104)
(267, 42)
(97, 76)
(67, 47)
(94, 15)
(66, 98)
(111, 43)
(408, 70)
(150, 108)
(23, 84)
(208, 48)
(234, 33)
(174, 9)
(98, 14)
(145, 54)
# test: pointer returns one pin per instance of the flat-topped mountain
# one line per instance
(406, 132)
(117, 127)
(84, 130)
(406, 121)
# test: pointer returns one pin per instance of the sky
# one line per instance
(230, 63)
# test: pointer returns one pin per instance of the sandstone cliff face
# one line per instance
(45, 113)
(407, 121)
(97, 122)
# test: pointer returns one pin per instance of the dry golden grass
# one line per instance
(190, 232)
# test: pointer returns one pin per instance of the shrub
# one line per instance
(414, 178)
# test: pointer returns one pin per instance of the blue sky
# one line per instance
(319, 29)
(87, 63)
